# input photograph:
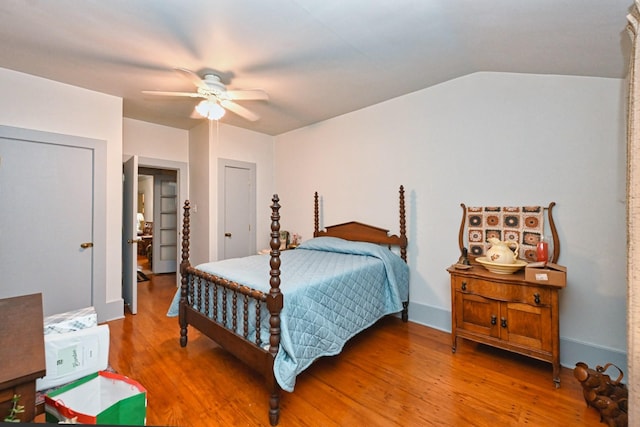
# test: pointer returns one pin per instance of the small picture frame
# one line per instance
(284, 239)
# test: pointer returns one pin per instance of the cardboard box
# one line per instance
(546, 274)
(74, 355)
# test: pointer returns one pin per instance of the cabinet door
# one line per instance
(527, 325)
(477, 314)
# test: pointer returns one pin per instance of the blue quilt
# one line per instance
(333, 289)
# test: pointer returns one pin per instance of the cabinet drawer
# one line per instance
(535, 295)
(27, 393)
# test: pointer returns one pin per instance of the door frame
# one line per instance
(222, 164)
(99, 250)
(129, 236)
(182, 171)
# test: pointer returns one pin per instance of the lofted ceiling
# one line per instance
(316, 59)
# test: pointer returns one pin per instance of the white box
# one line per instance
(71, 321)
(74, 355)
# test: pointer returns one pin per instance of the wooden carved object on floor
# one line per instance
(606, 395)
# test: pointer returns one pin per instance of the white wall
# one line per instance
(200, 177)
(155, 141)
(482, 139)
(35, 103)
(213, 142)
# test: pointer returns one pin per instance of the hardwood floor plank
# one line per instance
(392, 374)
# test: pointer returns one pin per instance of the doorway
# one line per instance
(144, 222)
(151, 217)
(157, 219)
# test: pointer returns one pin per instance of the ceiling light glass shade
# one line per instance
(210, 109)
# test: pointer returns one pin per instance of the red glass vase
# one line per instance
(542, 251)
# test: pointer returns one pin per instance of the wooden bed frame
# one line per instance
(248, 347)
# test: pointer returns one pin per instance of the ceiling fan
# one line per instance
(216, 97)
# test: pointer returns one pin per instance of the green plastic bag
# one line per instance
(100, 398)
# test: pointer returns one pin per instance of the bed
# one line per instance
(281, 311)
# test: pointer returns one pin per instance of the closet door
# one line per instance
(237, 207)
(46, 212)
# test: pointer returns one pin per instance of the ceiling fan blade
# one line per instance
(193, 77)
(163, 93)
(253, 94)
(239, 110)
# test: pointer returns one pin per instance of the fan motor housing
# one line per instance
(214, 83)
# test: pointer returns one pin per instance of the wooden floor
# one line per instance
(392, 374)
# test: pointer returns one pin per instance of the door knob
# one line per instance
(227, 234)
(86, 245)
(132, 241)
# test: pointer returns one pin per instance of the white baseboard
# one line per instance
(111, 310)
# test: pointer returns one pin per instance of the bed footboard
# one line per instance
(235, 315)
(235, 307)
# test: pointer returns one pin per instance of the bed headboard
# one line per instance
(358, 231)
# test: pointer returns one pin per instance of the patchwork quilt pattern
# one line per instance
(521, 224)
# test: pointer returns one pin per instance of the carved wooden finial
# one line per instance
(275, 299)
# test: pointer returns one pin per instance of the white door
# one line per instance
(129, 234)
(46, 226)
(238, 218)
(165, 224)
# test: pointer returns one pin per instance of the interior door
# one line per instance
(46, 232)
(238, 212)
(129, 234)
(165, 224)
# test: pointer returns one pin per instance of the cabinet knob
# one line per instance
(464, 286)
(494, 319)
(503, 322)
(536, 298)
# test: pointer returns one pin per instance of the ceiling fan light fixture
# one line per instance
(216, 99)
(210, 109)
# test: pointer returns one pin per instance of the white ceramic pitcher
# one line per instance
(500, 252)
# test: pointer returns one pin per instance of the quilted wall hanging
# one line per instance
(521, 224)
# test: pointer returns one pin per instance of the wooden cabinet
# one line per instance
(505, 311)
(21, 353)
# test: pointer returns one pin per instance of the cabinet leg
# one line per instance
(454, 340)
(556, 374)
